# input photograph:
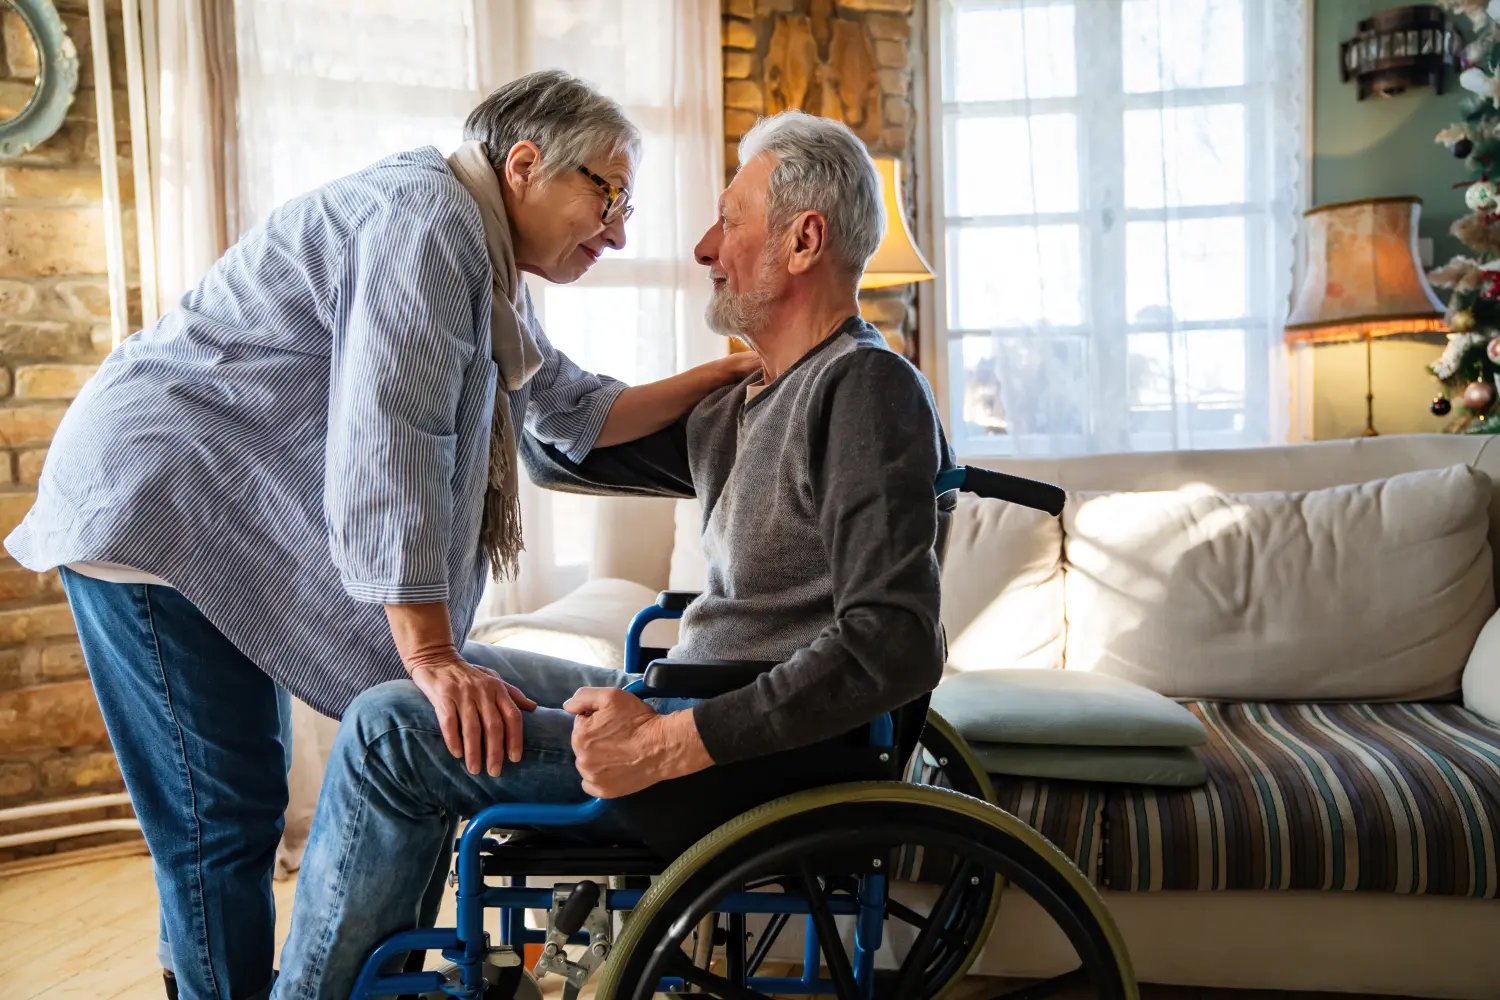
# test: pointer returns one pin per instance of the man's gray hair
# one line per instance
(821, 166)
(570, 122)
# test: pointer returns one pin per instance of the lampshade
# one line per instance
(1364, 277)
(897, 261)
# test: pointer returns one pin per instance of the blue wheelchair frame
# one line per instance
(467, 945)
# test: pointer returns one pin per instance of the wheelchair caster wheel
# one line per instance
(515, 983)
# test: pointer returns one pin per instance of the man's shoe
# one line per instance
(170, 982)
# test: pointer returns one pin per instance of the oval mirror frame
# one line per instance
(56, 80)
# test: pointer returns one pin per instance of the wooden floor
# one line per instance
(88, 932)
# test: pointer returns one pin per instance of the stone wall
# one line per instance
(855, 60)
(54, 329)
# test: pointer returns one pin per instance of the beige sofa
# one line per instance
(1004, 606)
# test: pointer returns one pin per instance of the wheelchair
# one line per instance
(910, 875)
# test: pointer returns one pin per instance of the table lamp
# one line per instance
(897, 261)
(1363, 280)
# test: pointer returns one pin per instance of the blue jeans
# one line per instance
(378, 857)
(203, 738)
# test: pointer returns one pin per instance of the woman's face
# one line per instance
(558, 223)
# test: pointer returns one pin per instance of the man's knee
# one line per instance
(384, 709)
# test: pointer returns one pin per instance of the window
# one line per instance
(1118, 183)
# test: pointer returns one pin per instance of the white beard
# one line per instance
(743, 314)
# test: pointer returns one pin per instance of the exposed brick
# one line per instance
(740, 8)
(20, 48)
(86, 298)
(40, 242)
(892, 81)
(29, 424)
(891, 27)
(731, 155)
(893, 6)
(7, 471)
(42, 339)
(737, 123)
(738, 34)
(52, 715)
(79, 771)
(16, 780)
(29, 465)
(744, 96)
(894, 139)
(738, 65)
(891, 55)
(24, 625)
(20, 584)
(16, 298)
(775, 6)
(63, 661)
(5, 382)
(17, 668)
(897, 112)
(52, 381)
(882, 310)
(13, 507)
(14, 96)
(78, 187)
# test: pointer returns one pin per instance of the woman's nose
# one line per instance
(614, 234)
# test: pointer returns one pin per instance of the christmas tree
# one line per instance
(1470, 362)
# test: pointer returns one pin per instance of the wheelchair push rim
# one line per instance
(985, 843)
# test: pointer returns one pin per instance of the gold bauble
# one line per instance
(1462, 321)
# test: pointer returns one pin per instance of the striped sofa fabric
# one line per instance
(1376, 797)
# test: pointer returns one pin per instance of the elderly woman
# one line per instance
(300, 480)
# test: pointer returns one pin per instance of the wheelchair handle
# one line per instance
(1002, 486)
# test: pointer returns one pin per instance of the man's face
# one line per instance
(742, 263)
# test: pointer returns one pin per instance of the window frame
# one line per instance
(1099, 111)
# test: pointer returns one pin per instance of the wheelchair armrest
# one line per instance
(703, 678)
(675, 600)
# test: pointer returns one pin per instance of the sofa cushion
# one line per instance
(1368, 592)
(1062, 708)
(1481, 681)
(1167, 767)
(689, 565)
(1383, 797)
(586, 626)
(1002, 587)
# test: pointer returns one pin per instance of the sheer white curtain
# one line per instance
(1120, 188)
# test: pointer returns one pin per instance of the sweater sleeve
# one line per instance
(875, 447)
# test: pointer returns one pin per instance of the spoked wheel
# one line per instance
(829, 847)
(948, 762)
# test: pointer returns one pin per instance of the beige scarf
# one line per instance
(514, 348)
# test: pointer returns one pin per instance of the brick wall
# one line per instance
(54, 329)
(855, 60)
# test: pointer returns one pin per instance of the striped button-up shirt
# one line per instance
(306, 438)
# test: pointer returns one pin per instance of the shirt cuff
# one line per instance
(600, 402)
(396, 593)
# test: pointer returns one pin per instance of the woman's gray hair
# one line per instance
(821, 166)
(570, 122)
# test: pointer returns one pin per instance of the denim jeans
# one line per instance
(378, 857)
(203, 738)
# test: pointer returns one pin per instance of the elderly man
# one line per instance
(816, 481)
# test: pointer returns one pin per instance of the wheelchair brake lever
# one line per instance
(583, 908)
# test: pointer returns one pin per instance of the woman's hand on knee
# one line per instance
(479, 714)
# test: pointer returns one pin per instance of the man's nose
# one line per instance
(707, 250)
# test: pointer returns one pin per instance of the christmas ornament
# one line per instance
(1478, 396)
(1481, 196)
(1440, 407)
(1462, 148)
(1462, 321)
(1492, 351)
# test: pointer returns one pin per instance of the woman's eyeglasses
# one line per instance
(616, 199)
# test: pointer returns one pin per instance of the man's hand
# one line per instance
(480, 714)
(622, 746)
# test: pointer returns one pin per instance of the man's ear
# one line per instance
(523, 166)
(809, 235)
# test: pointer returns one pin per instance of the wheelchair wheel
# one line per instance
(823, 844)
(948, 761)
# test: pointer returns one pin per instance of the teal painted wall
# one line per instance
(1366, 149)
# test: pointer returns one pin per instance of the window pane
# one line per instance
(1202, 372)
(1185, 271)
(1015, 166)
(1025, 385)
(1015, 276)
(1011, 53)
(600, 328)
(1177, 44)
(1185, 156)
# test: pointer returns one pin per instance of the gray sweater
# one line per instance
(819, 528)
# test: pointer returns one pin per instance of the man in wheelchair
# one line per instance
(816, 482)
